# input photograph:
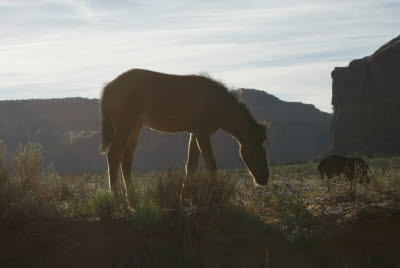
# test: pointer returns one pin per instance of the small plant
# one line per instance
(286, 205)
(102, 204)
(291, 202)
(204, 190)
(168, 188)
(28, 164)
(27, 193)
(75, 207)
(3, 164)
(147, 215)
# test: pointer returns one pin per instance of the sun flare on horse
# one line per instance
(170, 103)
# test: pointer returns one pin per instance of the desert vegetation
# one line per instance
(295, 209)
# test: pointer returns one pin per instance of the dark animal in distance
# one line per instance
(176, 103)
(351, 168)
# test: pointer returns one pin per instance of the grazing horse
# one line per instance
(336, 165)
(176, 103)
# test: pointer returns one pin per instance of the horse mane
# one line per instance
(232, 95)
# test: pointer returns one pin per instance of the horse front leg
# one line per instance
(204, 143)
(191, 166)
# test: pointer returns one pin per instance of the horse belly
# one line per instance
(166, 123)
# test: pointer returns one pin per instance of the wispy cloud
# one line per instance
(59, 48)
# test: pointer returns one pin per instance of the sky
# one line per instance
(68, 48)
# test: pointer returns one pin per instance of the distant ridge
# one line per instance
(68, 130)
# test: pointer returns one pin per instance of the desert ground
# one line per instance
(63, 220)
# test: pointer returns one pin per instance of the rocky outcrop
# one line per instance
(366, 103)
(68, 130)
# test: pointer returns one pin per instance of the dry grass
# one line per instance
(212, 213)
(296, 202)
(27, 193)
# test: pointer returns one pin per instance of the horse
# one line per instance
(336, 165)
(197, 104)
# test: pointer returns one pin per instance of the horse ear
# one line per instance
(267, 124)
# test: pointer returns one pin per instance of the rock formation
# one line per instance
(366, 103)
(68, 130)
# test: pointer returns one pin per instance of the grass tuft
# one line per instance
(28, 164)
(102, 204)
(146, 216)
(203, 190)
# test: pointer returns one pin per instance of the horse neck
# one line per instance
(238, 124)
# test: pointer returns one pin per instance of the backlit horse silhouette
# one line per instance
(176, 103)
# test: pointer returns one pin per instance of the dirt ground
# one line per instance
(372, 240)
(114, 243)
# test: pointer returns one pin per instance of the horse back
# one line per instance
(171, 103)
(335, 165)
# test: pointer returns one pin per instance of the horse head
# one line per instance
(254, 152)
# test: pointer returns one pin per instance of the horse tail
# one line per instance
(107, 130)
(321, 171)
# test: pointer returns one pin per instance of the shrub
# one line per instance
(102, 204)
(27, 164)
(168, 188)
(147, 215)
(290, 200)
(4, 179)
(28, 193)
(203, 190)
(3, 164)
(76, 207)
(286, 205)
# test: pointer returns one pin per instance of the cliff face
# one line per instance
(68, 130)
(366, 101)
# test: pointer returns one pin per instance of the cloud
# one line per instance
(59, 48)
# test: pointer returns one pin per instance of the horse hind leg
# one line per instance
(114, 156)
(126, 165)
(208, 154)
(193, 156)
